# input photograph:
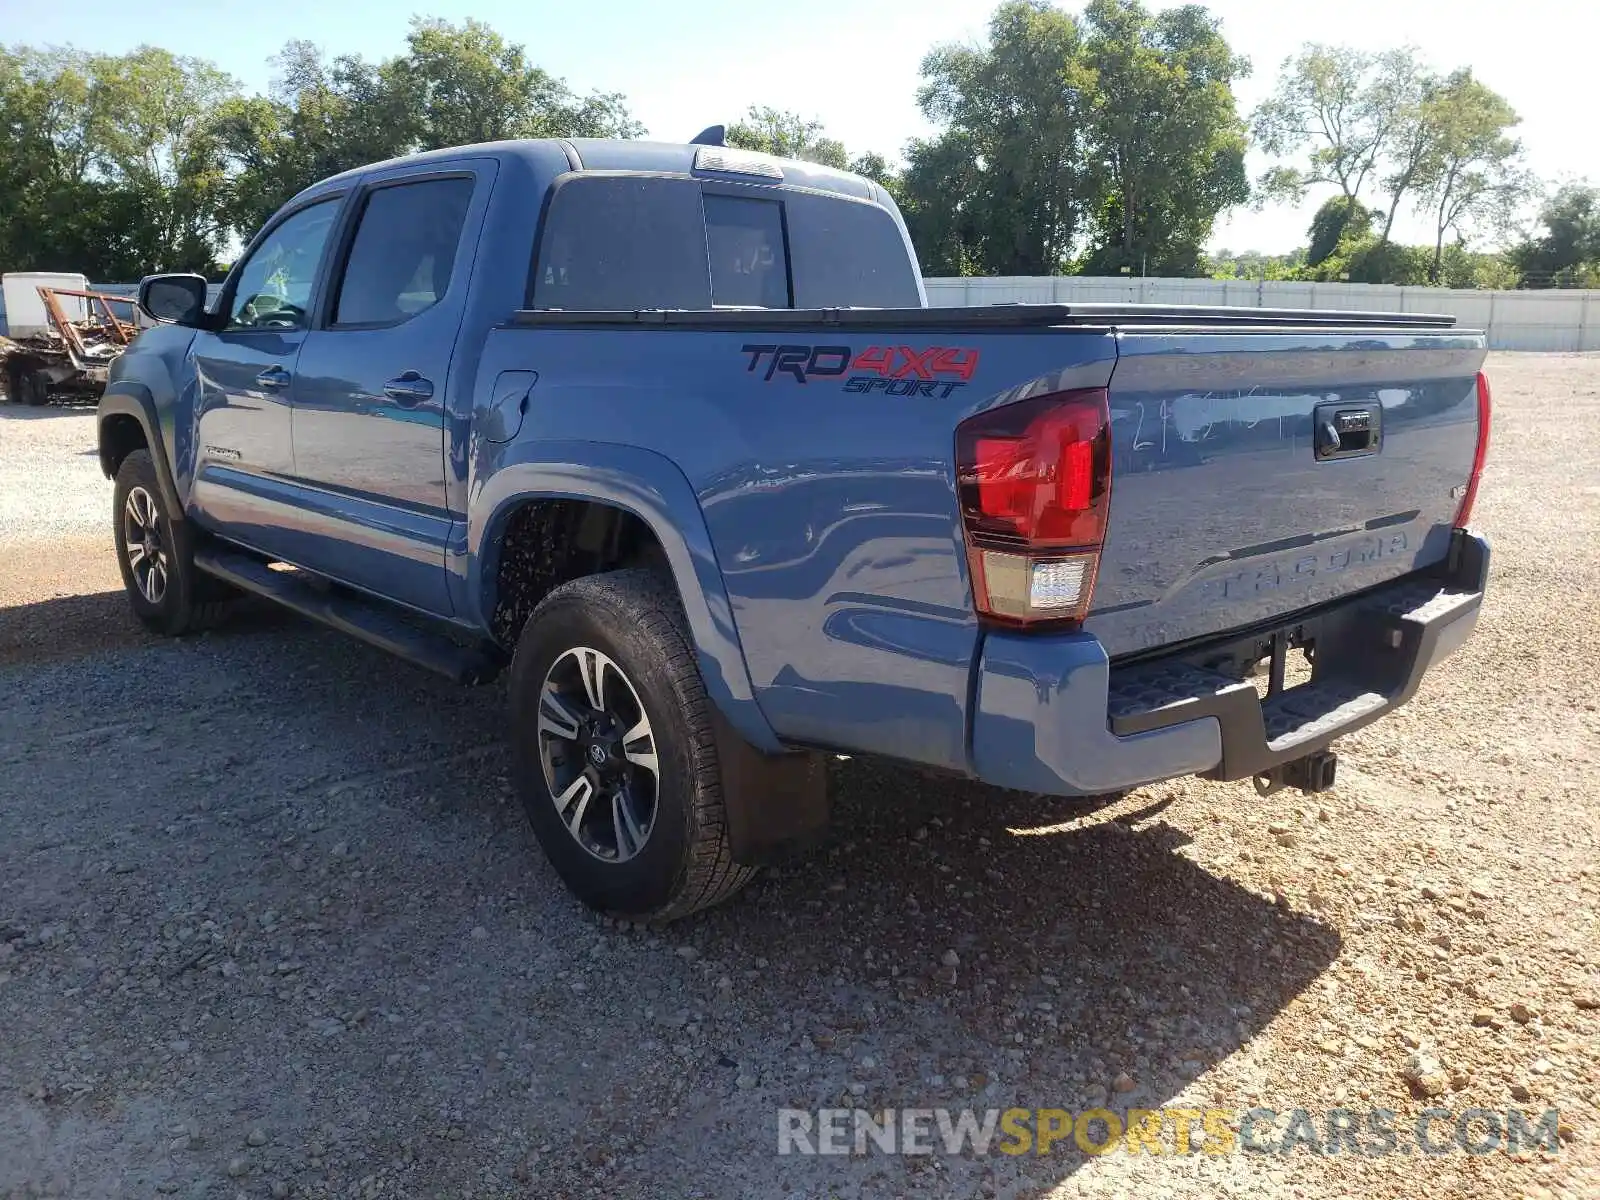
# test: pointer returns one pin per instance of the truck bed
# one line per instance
(820, 445)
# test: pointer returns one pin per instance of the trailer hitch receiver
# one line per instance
(1311, 774)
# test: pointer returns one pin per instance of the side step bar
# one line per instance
(369, 620)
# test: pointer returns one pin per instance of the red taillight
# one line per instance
(1464, 513)
(1034, 480)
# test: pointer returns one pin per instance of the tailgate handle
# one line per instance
(1346, 430)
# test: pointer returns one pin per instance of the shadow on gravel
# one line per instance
(393, 969)
(65, 627)
(69, 627)
(1089, 948)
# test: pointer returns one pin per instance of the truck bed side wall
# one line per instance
(831, 509)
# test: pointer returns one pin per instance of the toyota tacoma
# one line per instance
(667, 435)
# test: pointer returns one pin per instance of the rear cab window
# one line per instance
(620, 242)
(747, 255)
(848, 254)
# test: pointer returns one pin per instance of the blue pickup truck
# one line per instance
(667, 434)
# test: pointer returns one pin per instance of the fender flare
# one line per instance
(134, 400)
(652, 488)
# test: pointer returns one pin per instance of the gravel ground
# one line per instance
(271, 924)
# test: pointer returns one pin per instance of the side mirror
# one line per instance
(174, 299)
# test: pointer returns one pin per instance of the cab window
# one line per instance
(404, 252)
(621, 242)
(274, 285)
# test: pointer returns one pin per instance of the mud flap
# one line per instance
(773, 801)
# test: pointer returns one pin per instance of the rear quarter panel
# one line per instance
(831, 510)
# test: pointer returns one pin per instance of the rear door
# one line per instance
(1257, 473)
(245, 374)
(370, 399)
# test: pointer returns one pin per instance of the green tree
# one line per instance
(471, 85)
(159, 141)
(880, 170)
(454, 85)
(1463, 268)
(1369, 259)
(944, 208)
(1348, 107)
(1472, 175)
(1383, 122)
(1337, 218)
(322, 116)
(1252, 264)
(787, 135)
(1164, 138)
(120, 165)
(110, 168)
(1567, 252)
(1005, 187)
(1412, 143)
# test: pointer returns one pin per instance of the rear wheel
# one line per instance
(156, 555)
(613, 748)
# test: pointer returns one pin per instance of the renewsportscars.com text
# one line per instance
(1375, 1132)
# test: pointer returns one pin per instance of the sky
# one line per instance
(853, 64)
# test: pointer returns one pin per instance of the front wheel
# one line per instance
(156, 556)
(614, 754)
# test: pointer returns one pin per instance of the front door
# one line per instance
(242, 448)
(369, 400)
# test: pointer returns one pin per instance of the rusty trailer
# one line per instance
(70, 351)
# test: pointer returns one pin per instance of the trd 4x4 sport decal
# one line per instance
(892, 370)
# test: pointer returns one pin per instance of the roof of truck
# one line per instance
(626, 154)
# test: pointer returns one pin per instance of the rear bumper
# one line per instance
(1053, 715)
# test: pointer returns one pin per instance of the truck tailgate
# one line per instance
(1258, 473)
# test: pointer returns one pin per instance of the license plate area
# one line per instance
(1283, 660)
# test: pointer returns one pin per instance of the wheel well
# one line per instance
(120, 436)
(545, 543)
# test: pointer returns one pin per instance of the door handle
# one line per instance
(273, 377)
(409, 389)
(1327, 438)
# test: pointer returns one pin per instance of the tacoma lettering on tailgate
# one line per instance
(1273, 575)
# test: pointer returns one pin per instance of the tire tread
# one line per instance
(201, 602)
(710, 875)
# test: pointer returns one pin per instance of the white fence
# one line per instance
(1534, 320)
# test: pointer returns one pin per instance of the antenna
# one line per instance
(710, 136)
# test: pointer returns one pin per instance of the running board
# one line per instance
(371, 621)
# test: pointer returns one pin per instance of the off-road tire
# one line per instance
(634, 617)
(190, 600)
